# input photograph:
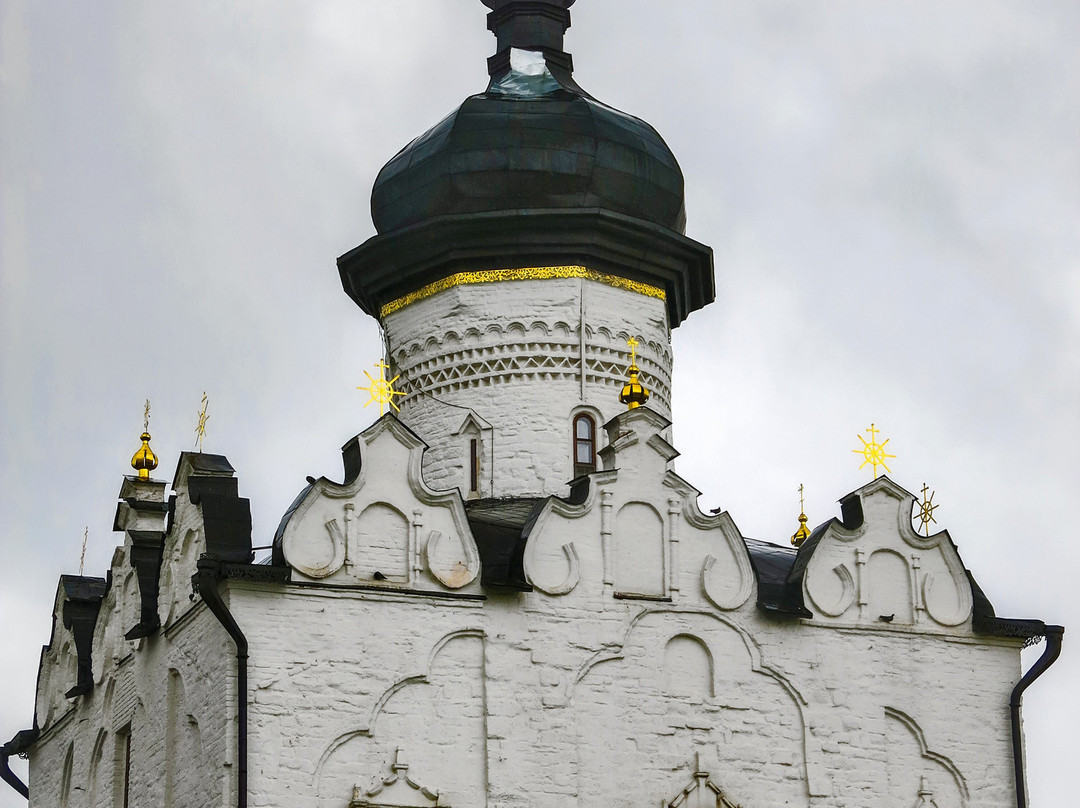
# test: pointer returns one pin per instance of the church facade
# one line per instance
(510, 598)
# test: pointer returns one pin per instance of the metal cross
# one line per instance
(82, 558)
(926, 510)
(200, 430)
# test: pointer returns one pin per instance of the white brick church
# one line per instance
(510, 598)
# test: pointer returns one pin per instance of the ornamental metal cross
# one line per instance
(926, 510)
(200, 430)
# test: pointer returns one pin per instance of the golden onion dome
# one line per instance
(634, 393)
(144, 460)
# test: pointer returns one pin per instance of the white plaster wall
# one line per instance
(573, 695)
(577, 693)
(511, 352)
(552, 704)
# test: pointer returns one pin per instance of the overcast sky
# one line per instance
(892, 191)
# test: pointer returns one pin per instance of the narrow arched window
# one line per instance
(584, 444)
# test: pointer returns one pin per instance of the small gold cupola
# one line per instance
(634, 393)
(144, 460)
(803, 533)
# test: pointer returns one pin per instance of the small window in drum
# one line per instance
(584, 444)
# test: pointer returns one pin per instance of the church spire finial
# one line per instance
(144, 460)
(803, 533)
(634, 393)
(532, 25)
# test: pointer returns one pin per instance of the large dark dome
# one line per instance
(532, 172)
(556, 150)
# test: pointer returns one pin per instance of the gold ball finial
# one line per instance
(634, 393)
(144, 461)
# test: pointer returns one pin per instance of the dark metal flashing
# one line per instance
(387, 267)
(172, 515)
(226, 526)
(851, 512)
(202, 463)
(772, 566)
(985, 621)
(278, 552)
(82, 602)
(579, 490)
(147, 549)
(351, 460)
(500, 528)
(198, 487)
(18, 745)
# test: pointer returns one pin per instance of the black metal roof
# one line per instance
(560, 150)
(772, 565)
(500, 528)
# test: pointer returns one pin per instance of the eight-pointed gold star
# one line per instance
(381, 389)
(873, 452)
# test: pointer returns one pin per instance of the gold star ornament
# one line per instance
(874, 453)
(381, 389)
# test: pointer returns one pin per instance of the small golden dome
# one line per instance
(803, 533)
(634, 393)
(144, 461)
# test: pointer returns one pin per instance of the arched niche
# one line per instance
(188, 769)
(888, 588)
(65, 777)
(639, 551)
(381, 543)
(688, 668)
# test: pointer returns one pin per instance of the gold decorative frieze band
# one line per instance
(524, 274)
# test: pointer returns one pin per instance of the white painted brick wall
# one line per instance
(447, 346)
(567, 695)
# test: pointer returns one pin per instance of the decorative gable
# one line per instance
(634, 530)
(383, 525)
(873, 567)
